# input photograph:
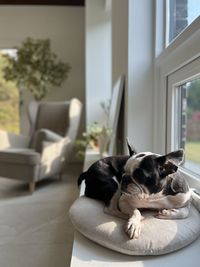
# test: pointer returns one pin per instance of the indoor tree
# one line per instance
(35, 68)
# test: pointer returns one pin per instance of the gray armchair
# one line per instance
(54, 126)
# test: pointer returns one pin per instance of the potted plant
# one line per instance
(35, 68)
(97, 136)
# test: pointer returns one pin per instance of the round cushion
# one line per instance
(157, 237)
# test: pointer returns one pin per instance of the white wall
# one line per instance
(119, 39)
(141, 74)
(132, 55)
(64, 26)
(98, 58)
(132, 52)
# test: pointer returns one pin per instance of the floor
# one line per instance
(35, 230)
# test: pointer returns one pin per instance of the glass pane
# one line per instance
(190, 124)
(181, 14)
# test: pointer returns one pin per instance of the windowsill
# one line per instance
(86, 253)
(193, 180)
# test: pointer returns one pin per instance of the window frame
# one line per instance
(182, 52)
(176, 79)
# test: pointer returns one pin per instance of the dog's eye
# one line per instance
(161, 169)
(162, 172)
(139, 156)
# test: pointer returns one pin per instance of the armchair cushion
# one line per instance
(20, 164)
(19, 156)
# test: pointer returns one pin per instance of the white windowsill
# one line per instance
(86, 253)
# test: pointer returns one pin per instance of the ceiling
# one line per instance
(44, 2)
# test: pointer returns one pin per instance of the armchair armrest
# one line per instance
(43, 136)
(53, 155)
(11, 140)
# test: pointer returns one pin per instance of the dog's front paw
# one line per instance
(133, 228)
(173, 213)
(166, 214)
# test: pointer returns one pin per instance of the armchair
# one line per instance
(54, 126)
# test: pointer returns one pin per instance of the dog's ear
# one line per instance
(131, 149)
(170, 162)
(161, 160)
(176, 157)
(166, 166)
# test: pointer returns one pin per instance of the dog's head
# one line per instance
(149, 170)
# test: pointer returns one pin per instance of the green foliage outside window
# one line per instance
(192, 145)
(193, 98)
(9, 102)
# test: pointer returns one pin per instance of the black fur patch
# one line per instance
(99, 178)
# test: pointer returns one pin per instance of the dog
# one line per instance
(126, 184)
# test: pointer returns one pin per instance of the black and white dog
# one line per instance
(139, 181)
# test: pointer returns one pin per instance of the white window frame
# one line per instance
(176, 79)
(182, 52)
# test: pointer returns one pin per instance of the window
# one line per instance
(9, 98)
(190, 124)
(186, 119)
(181, 13)
(183, 114)
(176, 99)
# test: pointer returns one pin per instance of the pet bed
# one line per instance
(157, 236)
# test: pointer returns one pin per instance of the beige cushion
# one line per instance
(20, 164)
(19, 156)
(157, 236)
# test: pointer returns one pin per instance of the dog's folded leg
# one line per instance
(115, 213)
(180, 213)
(113, 208)
(133, 226)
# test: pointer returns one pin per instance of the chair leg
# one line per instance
(31, 187)
(60, 176)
